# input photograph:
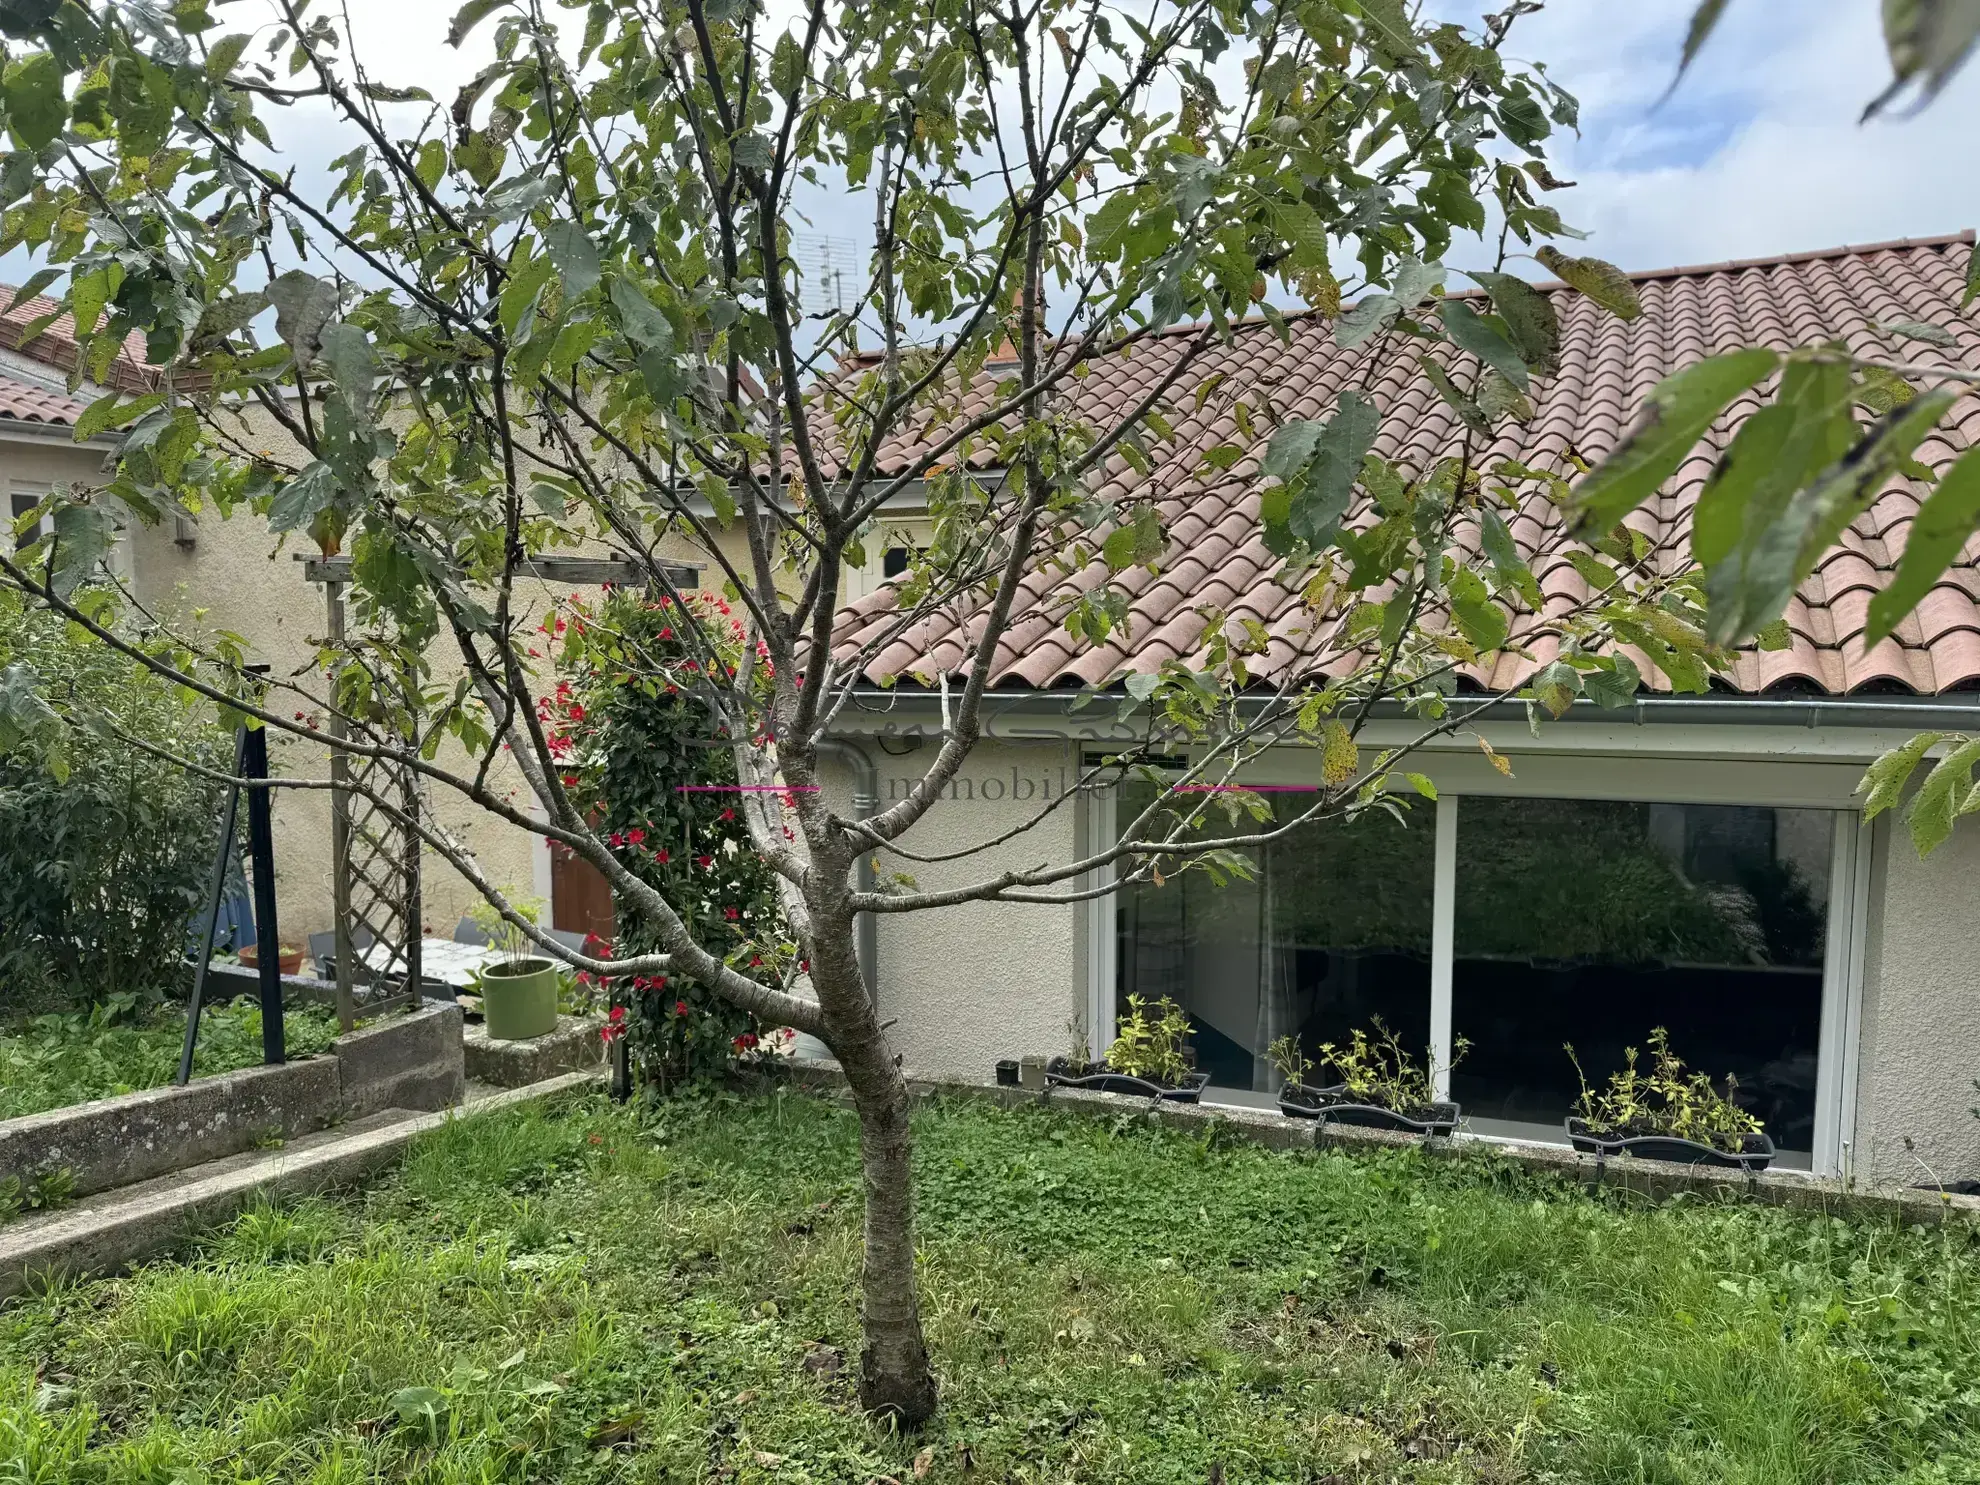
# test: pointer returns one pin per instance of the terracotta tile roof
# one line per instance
(1215, 557)
(23, 401)
(57, 346)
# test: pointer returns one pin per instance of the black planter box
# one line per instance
(1333, 1106)
(1100, 1080)
(1758, 1154)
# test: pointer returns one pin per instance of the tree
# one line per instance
(564, 308)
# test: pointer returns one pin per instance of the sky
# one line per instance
(1757, 153)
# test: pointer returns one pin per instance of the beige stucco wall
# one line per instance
(970, 984)
(1921, 1013)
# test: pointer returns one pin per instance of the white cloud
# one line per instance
(1759, 152)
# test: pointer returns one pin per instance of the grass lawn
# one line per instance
(579, 1295)
(52, 1061)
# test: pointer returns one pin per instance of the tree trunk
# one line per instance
(895, 1379)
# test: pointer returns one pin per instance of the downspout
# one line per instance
(865, 802)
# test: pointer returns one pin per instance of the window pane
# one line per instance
(1333, 931)
(1593, 922)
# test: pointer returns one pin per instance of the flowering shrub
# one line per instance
(641, 751)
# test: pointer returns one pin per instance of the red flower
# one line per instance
(731, 914)
(680, 1007)
(728, 814)
(661, 857)
(635, 836)
(615, 839)
(584, 977)
(746, 1042)
(755, 961)
(576, 712)
(704, 862)
(614, 1027)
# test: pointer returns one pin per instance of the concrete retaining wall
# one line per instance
(410, 1062)
(574, 1046)
(1656, 1180)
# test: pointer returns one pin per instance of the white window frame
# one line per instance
(1821, 782)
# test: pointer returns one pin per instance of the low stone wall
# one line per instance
(1656, 1180)
(412, 1061)
(574, 1046)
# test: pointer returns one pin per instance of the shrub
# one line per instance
(104, 850)
(1152, 1042)
(645, 754)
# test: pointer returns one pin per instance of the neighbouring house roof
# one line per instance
(1216, 558)
(24, 401)
(56, 344)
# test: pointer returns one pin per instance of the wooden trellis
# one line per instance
(375, 856)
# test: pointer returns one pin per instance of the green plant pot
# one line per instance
(519, 999)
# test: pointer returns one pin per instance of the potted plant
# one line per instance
(1150, 1056)
(288, 959)
(1379, 1084)
(1666, 1113)
(519, 989)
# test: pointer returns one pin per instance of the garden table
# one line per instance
(441, 960)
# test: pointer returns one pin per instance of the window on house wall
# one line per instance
(1332, 932)
(1593, 922)
(22, 497)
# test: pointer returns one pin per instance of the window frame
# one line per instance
(1669, 779)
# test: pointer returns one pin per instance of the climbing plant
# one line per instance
(641, 745)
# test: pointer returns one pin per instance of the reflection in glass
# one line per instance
(1332, 931)
(1592, 922)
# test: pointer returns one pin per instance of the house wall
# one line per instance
(968, 985)
(1920, 1048)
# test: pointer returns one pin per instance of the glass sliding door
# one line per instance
(1593, 922)
(1332, 932)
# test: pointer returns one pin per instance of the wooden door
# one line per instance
(580, 897)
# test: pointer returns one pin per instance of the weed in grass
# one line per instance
(590, 1294)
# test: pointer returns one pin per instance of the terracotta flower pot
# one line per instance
(288, 961)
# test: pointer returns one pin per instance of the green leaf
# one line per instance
(1775, 636)
(1675, 415)
(1615, 684)
(23, 713)
(1530, 319)
(1368, 314)
(787, 65)
(1703, 19)
(1484, 340)
(1938, 535)
(1480, 620)
(36, 109)
(1938, 800)
(468, 17)
(141, 102)
(1776, 451)
(573, 255)
(224, 55)
(1602, 282)
(1883, 781)
(1320, 461)
(421, 1406)
(431, 164)
(1422, 785)
(303, 306)
(83, 534)
(353, 367)
(1472, 414)
(107, 412)
(296, 504)
(1927, 39)
(1499, 398)
(1555, 686)
(1919, 330)
(381, 93)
